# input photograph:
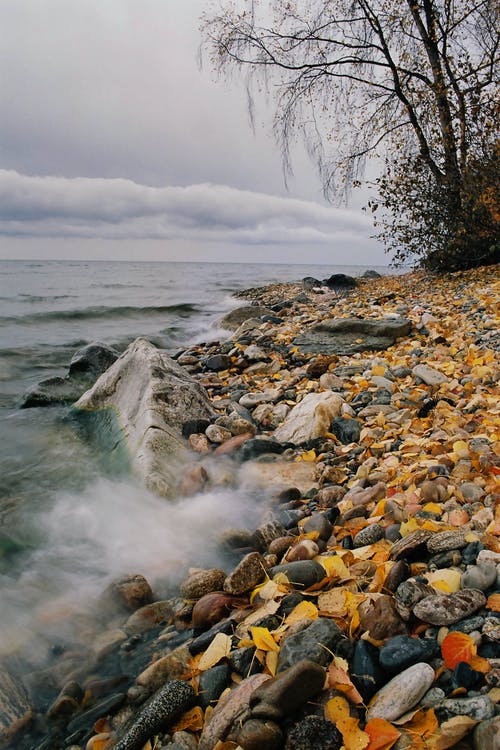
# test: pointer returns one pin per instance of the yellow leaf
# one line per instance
(308, 456)
(446, 580)
(378, 370)
(303, 610)
(354, 738)
(334, 566)
(408, 526)
(263, 639)
(272, 662)
(433, 508)
(336, 709)
(461, 449)
(218, 649)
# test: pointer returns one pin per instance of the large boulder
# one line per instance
(15, 708)
(137, 409)
(233, 319)
(350, 335)
(92, 360)
(310, 419)
(340, 281)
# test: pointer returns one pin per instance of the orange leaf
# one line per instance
(192, 720)
(493, 603)
(457, 647)
(263, 639)
(382, 734)
(353, 737)
(480, 664)
(338, 679)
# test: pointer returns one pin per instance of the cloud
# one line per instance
(32, 206)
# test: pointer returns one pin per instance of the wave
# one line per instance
(90, 313)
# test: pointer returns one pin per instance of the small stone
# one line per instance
(199, 443)
(313, 733)
(347, 430)
(429, 376)
(217, 434)
(446, 609)
(251, 400)
(231, 710)
(316, 642)
(284, 694)
(217, 362)
(409, 593)
(471, 492)
(279, 546)
(380, 618)
(446, 540)
(433, 697)
(369, 535)
(129, 593)
(320, 523)
(168, 704)
(328, 497)
(491, 628)
(212, 608)
(411, 545)
(301, 574)
(486, 734)
(264, 535)
(303, 550)
(331, 382)
(148, 617)
(202, 582)
(480, 576)
(172, 666)
(310, 418)
(399, 572)
(479, 708)
(247, 574)
(366, 673)
(212, 683)
(257, 734)
(401, 652)
(401, 693)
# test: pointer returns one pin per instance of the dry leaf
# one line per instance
(493, 603)
(192, 720)
(100, 741)
(218, 649)
(334, 566)
(303, 610)
(383, 735)
(336, 709)
(263, 639)
(450, 732)
(353, 737)
(272, 662)
(338, 679)
(457, 647)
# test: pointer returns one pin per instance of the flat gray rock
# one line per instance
(446, 609)
(136, 411)
(402, 693)
(351, 335)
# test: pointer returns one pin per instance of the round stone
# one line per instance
(202, 582)
(369, 535)
(313, 733)
(480, 576)
(257, 734)
(446, 609)
(402, 693)
(486, 734)
(446, 540)
(402, 651)
(217, 434)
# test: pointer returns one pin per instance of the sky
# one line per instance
(116, 144)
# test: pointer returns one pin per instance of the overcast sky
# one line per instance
(114, 144)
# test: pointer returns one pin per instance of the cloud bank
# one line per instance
(103, 208)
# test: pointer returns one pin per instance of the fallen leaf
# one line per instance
(334, 566)
(336, 709)
(353, 737)
(450, 732)
(493, 603)
(457, 647)
(263, 639)
(446, 579)
(272, 662)
(100, 741)
(308, 456)
(192, 720)
(383, 735)
(408, 526)
(338, 679)
(218, 649)
(480, 664)
(303, 610)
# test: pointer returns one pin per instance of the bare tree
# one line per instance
(414, 82)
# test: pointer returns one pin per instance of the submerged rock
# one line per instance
(137, 410)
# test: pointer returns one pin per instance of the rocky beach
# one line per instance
(362, 612)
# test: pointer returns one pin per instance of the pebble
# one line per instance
(446, 540)
(411, 545)
(310, 418)
(347, 430)
(130, 592)
(217, 362)
(314, 733)
(199, 443)
(366, 672)
(408, 594)
(369, 535)
(251, 400)
(316, 643)
(380, 617)
(401, 693)
(211, 608)
(258, 734)
(304, 550)
(202, 582)
(446, 609)
(301, 574)
(479, 708)
(247, 574)
(401, 652)
(486, 734)
(429, 375)
(480, 576)
(284, 694)
(320, 523)
(217, 434)
(433, 697)
(212, 683)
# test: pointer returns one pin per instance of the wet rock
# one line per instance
(255, 447)
(258, 734)
(446, 540)
(408, 594)
(401, 652)
(479, 708)
(15, 707)
(233, 319)
(401, 693)
(328, 497)
(429, 375)
(136, 410)
(236, 424)
(202, 582)
(243, 661)
(199, 443)
(309, 283)
(88, 718)
(480, 576)
(380, 618)
(491, 628)
(486, 734)
(347, 430)
(202, 642)
(351, 335)
(411, 545)
(301, 574)
(319, 523)
(251, 400)
(369, 535)
(166, 706)
(315, 642)
(212, 683)
(148, 617)
(313, 733)
(446, 609)
(284, 694)
(212, 608)
(92, 360)
(267, 533)
(247, 574)
(232, 709)
(53, 391)
(128, 593)
(310, 418)
(303, 550)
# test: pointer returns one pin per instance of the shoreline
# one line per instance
(399, 447)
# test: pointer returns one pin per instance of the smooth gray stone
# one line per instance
(315, 643)
(233, 319)
(53, 391)
(92, 360)
(480, 576)
(486, 734)
(479, 707)
(402, 651)
(402, 693)
(341, 335)
(168, 704)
